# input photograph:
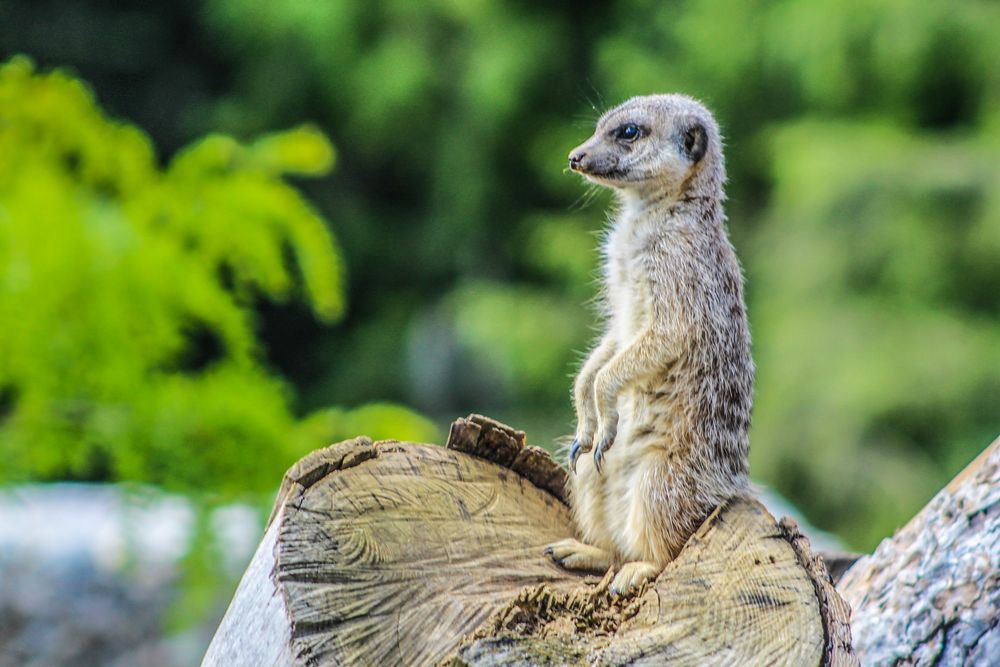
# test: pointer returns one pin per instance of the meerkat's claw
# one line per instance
(575, 555)
(581, 445)
(632, 575)
(574, 454)
(603, 446)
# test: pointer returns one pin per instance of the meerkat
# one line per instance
(670, 383)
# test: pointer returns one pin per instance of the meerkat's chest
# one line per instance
(627, 284)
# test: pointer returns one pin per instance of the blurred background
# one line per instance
(232, 231)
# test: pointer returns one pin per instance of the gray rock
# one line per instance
(88, 574)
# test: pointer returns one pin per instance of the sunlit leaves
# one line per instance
(128, 348)
(861, 139)
(870, 273)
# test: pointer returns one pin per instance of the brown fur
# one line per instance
(670, 383)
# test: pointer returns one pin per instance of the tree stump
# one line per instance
(393, 553)
(930, 595)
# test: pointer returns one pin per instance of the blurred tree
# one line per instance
(877, 270)
(861, 137)
(865, 197)
(129, 349)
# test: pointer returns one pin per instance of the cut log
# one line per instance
(930, 595)
(399, 553)
(744, 591)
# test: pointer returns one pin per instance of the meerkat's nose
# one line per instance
(575, 158)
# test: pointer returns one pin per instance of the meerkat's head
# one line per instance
(657, 144)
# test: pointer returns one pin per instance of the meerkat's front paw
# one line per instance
(575, 555)
(584, 440)
(574, 453)
(632, 575)
(605, 439)
(581, 445)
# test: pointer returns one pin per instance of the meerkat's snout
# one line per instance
(588, 160)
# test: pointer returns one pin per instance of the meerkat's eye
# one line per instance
(628, 132)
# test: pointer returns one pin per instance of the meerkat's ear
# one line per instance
(695, 141)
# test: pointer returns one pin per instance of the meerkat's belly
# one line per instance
(633, 498)
(650, 414)
(609, 505)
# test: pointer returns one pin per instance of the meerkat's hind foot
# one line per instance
(634, 574)
(575, 555)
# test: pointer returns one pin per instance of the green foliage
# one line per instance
(861, 143)
(862, 156)
(877, 268)
(129, 349)
(873, 254)
(526, 333)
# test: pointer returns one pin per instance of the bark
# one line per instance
(930, 595)
(399, 553)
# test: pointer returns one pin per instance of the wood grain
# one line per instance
(395, 559)
(255, 629)
(389, 553)
(738, 594)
